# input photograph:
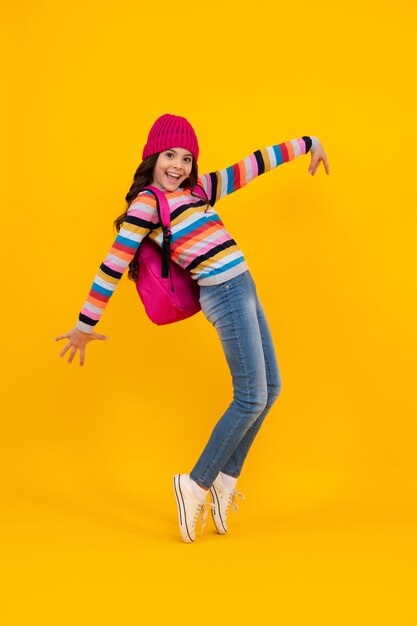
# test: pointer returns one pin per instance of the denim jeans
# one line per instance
(234, 309)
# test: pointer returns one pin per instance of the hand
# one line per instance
(77, 341)
(316, 156)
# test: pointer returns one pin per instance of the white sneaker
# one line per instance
(222, 499)
(189, 507)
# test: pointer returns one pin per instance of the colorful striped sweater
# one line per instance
(200, 243)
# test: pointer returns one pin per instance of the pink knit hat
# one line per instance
(170, 131)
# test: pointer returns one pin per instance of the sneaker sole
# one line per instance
(182, 518)
(215, 513)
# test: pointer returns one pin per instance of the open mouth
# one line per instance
(173, 177)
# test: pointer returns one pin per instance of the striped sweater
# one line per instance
(200, 242)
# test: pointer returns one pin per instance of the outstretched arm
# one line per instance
(140, 219)
(223, 182)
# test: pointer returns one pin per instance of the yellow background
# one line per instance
(327, 532)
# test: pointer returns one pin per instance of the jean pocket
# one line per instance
(235, 281)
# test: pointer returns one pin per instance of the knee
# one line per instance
(252, 407)
(273, 392)
(259, 403)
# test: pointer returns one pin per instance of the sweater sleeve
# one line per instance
(223, 182)
(140, 220)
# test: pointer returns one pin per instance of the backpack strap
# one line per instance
(164, 214)
(200, 191)
(162, 207)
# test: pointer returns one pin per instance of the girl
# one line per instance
(228, 296)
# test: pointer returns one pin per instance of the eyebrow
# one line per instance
(172, 150)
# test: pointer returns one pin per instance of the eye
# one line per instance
(188, 159)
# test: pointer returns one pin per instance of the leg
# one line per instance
(233, 310)
(234, 464)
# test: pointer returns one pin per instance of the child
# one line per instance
(228, 296)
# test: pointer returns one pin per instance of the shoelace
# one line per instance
(233, 500)
(202, 511)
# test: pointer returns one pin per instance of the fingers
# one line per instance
(323, 159)
(77, 341)
(96, 336)
(72, 354)
(65, 350)
(313, 166)
(315, 162)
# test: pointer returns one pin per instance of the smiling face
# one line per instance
(175, 161)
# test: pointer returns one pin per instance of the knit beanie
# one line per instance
(170, 131)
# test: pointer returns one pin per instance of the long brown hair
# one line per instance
(143, 177)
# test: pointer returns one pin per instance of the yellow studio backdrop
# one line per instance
(326, 534)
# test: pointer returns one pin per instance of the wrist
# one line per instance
(315, 142)
(84, 328)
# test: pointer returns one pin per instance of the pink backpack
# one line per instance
(167, 291)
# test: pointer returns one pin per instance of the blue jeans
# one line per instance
(234, 309)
